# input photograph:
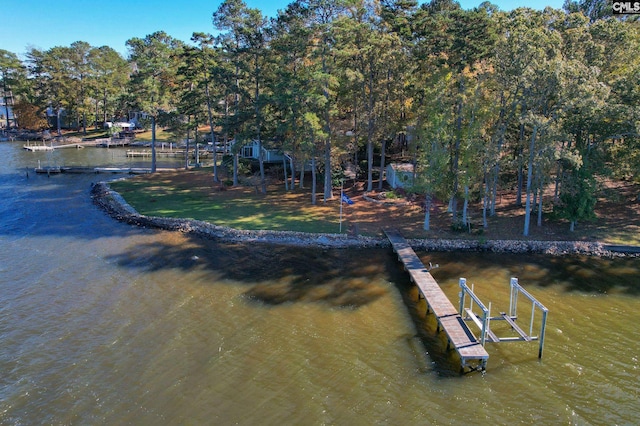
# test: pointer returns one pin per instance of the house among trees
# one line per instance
(252, 151)
(122, 124)
(400, 175)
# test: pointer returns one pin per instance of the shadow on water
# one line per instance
(277, 275)
(584, 274)
(274, 274)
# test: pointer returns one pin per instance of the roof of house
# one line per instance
(402, 167)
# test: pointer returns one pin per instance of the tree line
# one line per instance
(477, 100)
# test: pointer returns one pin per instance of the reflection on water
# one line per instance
(104, 323)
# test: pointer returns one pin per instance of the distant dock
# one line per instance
(89, 170)
(100, 143)
(34, 148)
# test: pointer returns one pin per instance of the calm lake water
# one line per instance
(105, 323)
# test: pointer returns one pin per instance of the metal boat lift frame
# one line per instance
(483, 321)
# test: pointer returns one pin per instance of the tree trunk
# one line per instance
(556, 191)
(527, 212)
(237, 122)
(465, 205)
(370, 130)
(211, 127)
(455, 165)
(427, 212)
(494, 190)
(284, 168)
(153, 144)
(186, 151)
(196, 148)
(486, 199)
(328, 186)
(369, 165)
(540, 208)
(301, 184)
(263, 181)
(519, 184)
(559, 173)
(293, 173)
(313, 181)
(59, 121)
(493, 187)
(382, 161)
(235, 168)
(534, 204)
(97, 113)
(104, 106)
(6, 101)
(520, 170)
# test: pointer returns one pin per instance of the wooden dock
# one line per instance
(84, 170)
(459, 336)
(101, 143)
(34, 148)
(112, 142)
(176, 153)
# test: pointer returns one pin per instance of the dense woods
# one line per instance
(478, 100)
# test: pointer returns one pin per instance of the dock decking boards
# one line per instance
(449, 320)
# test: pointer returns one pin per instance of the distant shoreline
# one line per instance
(117, 207)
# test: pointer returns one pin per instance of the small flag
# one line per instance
(347, 199)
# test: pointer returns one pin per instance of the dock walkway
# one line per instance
(449, 320)
(81, 170)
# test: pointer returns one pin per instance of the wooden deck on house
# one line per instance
(449, 320)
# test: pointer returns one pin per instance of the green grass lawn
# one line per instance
(239, 208)
(161, 136)
(92, 133)
(194, 195)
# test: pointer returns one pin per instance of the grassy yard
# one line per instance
(171, 195)
(92, 133)
(161, 136)
(145, 135)
(193, 194)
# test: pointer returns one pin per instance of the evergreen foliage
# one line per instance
(478, 100)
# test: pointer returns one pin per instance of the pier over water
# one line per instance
(459, 337)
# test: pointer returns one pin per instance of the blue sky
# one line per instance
(45, 24)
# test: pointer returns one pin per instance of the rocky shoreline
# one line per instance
(118, 208)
